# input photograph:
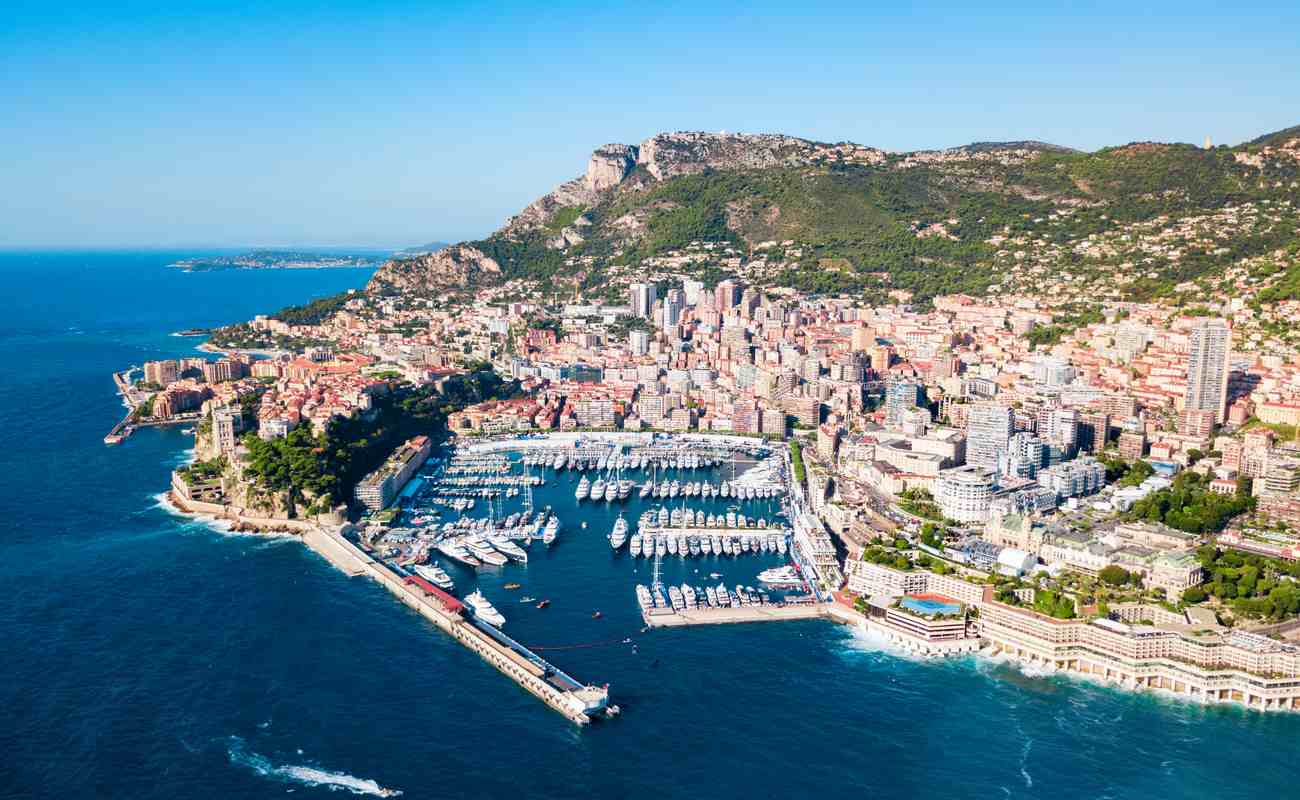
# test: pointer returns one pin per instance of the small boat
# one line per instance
(597, 615)
(513, 586)
(526, 599)
(544, 604)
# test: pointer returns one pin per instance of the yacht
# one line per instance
(675, 597)
(663, 517)
(583, 490)
(433, 574)
(457, 552)
(598, 490)
(781, 577)
(619, 535)
(643, 597)
(674, 489)
(648, 546)
(552, 529)
(646, 489)
(671, 545)
(723, 598)
(780, 545)
(634, 546)
(725, 491)
(508, 548)
(484, 552)
(711, 595)
(624, 489)
(688, 594)
(611, 490)
(661, 545)
(706, 545)
(483, 609)
(717, 545)
(693, 545)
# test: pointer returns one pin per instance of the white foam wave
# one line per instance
(216, 524)
(865, 640)
(305, 775)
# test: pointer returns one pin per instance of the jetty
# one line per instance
(578, 702)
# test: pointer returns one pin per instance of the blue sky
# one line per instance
(392, 124)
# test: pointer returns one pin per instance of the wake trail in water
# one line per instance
(305, 775)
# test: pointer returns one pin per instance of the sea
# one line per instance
(146, 655)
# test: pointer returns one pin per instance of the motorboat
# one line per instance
(619, 535)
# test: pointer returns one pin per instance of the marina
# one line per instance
(481, 529)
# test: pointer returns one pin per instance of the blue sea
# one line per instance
(143, 655)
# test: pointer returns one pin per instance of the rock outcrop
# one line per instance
(452, 268)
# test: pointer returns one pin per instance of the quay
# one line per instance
(579, 703)
(668, 618)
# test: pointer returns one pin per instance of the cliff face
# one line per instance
(453, 268)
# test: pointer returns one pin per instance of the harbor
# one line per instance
(489, 538)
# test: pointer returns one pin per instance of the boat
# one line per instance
(648, 546)
(661, 545)
(619, 535)
(509, 549)
(671, 544)
(458, 552)
(643, 597)
(552, 529)
(484, 552)
(634, 547)
(675, 597)
(513, 586)
(611, 490)
(598, 490)
(544, 604)
(724, 599)
(674, 489)
(646, 489)
(688, 594)
(483, 609)
(725, 491)
(624, 489)
(583, 490)
(435, 575)
(526, 599)
(781, 577)
(596, 615)
(712, 595)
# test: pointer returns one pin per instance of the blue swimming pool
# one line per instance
(926, 605)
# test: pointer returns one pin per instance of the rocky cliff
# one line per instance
(453, 268)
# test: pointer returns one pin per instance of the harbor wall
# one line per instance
(333, 545)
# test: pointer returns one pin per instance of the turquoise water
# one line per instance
(145, 656)
(926, 606)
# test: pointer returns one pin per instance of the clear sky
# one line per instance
(391, 124)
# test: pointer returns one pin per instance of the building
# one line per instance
(642, 298)
(639, 342)
(725, 295)
(965, 493)
(227, 424)
(1132, 445)
(1209, 350)
(161, 373)
(989, 427)
(900, 397)
(377, 490)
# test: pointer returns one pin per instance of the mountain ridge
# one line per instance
(926, 220)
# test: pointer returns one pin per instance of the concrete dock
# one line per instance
(577, 702)
(668, 618)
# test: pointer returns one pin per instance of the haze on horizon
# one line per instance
(394, 124)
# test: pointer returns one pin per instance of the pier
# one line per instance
(707, 615)
(577, 702)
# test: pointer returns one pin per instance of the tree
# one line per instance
(1114, 575)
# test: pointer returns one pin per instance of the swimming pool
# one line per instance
(929, 605)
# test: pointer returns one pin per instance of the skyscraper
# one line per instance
(989, 427)
(1209, 347)
(642, 299)
(725, 295)
(674, 302)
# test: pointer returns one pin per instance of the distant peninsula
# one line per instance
(276, 259)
